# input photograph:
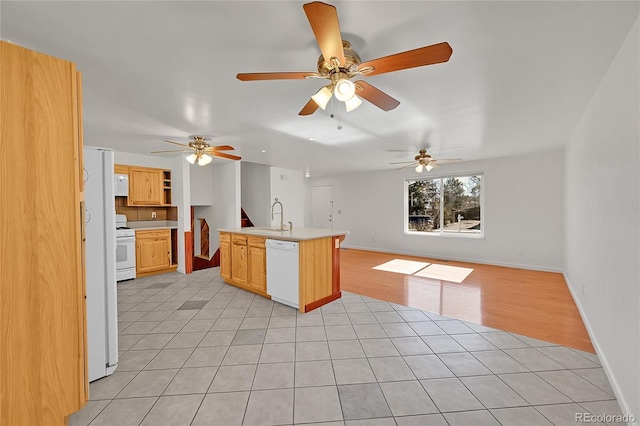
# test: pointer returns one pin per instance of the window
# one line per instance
(449, 205)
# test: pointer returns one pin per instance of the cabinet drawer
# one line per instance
(256, 241)
(156, 233)
(224, 237)
(239, 239)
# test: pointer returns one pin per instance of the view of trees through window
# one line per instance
(448, 205)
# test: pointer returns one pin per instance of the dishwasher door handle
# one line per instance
(281, 245)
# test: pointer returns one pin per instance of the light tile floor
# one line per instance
(196, 351)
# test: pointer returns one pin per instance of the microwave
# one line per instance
(121, 185)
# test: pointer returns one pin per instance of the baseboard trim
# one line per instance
(458, 259)
(624, 406)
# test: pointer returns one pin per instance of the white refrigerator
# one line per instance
(100, 255)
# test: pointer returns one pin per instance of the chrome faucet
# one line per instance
(281, 213)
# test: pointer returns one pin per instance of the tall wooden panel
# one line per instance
(315, 272)
(42, 336)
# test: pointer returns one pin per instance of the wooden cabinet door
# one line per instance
(42, 292)
(146, 186)
(153, 251)
(239, 269)
(257, 268)
(225, 257)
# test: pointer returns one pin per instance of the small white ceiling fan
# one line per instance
(424, 161)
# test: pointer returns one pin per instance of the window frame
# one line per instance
(441, 233)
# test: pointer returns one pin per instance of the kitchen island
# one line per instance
(243, 261)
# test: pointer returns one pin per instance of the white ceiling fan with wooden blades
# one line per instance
(339, 63)
(203, 153)
(424, 161)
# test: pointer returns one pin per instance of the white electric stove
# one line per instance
(125, 250)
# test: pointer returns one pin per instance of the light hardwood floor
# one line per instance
(531, 303)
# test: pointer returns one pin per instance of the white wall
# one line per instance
(256, 192)
(157, 161)
(180, 197)
(522, 209)
(602, 232)
(288, 187)
(227, 197)
(202, 184)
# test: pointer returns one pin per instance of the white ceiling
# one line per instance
(520, 77)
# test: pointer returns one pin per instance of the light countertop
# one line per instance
(297, 234)
(149, 225)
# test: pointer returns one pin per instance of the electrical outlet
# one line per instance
(520, 252)
(153, 215)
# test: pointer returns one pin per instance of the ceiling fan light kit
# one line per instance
(201, 152)
(199, 159)
(322, 97)
(339, 63)
(344, 90)
(352, 103)
(424, 161)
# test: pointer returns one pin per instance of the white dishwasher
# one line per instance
(283, 266)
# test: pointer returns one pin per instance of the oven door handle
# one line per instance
(122, 240)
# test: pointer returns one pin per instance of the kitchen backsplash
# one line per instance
(137, 214)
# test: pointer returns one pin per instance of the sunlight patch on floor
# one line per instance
(454, 274)
(435, 271)
(401, 266)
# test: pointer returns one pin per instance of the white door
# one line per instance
(322, 206)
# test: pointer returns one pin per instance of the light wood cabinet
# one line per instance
(42, 296)
(121, 169)
(153, 251)
(239, 261)
(225, 256)
(145, 187)
(243, 262)
(257, 259)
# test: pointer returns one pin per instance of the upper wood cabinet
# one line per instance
(148, 186)
(121, 169)
(42, 297)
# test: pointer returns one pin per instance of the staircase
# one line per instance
(244, 219)
(202, 261)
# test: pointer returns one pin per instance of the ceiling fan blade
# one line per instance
(220, 148)
(402, 162)
(422, 56)
(447, 160)
(375, 96)
(173, 150)
(256, 76)
(176, 143)
(408, 165)
(324, 23)
(223, 155)
(309, 108)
